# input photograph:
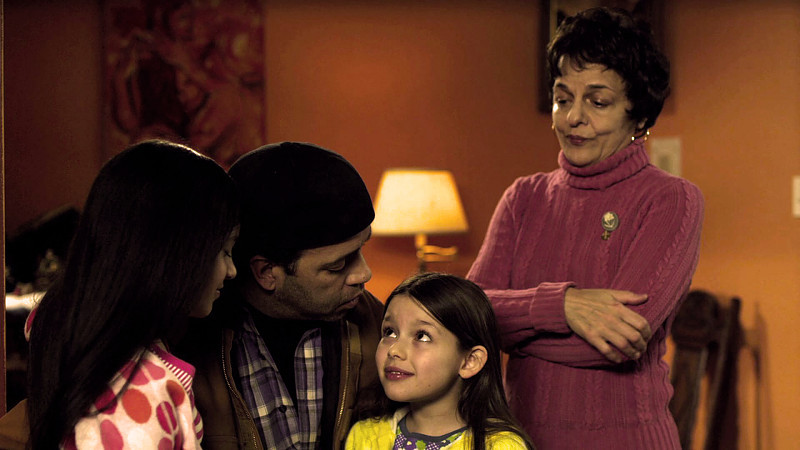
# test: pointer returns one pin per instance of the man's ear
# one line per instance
(265, 273)
(473, 361)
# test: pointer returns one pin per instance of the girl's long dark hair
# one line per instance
(463, 308)
(156, 218)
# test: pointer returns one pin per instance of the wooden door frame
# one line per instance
(2, 213)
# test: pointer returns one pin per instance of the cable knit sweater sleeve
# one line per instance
(493, 268)
(545, 237)
(660, 262)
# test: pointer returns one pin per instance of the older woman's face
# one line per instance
(589, 113)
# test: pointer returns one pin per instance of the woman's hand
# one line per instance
(601, 317)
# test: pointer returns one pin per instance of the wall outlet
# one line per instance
(665, 153)
(796, 196)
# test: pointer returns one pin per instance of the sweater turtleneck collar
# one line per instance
(601, 175)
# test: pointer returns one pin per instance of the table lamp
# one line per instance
(419, 202)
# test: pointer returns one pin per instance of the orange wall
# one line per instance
(52, 105)
(737, 110)
(390, 83)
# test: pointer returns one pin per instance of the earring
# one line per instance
(644, 136)
(553, 126)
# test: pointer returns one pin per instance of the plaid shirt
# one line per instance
(282, 424)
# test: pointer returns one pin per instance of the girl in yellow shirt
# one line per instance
(440, 366)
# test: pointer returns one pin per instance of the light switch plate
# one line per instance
(665, 153)
(796, 196)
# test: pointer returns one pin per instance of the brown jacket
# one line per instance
(14, 427)
(227, 423)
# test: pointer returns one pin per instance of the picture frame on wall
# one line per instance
(190, 71)
(555, 11)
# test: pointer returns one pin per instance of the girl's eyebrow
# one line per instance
(425, 322)
(388, 318)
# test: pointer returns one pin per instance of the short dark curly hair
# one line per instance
(615, 39)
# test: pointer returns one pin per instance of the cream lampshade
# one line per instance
(419, 202)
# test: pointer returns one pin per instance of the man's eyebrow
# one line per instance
(341, 258)
(348, 254)
(335, 262)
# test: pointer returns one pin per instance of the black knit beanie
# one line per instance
(299, 196)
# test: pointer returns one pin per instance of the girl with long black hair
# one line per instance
(153, 248)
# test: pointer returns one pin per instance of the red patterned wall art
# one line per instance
(191, 71)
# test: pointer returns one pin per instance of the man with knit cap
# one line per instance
(287, 353)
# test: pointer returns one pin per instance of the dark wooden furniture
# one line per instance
(707, 336)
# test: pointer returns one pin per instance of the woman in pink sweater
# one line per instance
(587, 265)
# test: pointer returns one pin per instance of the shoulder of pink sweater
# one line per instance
(654, 186)
(533, 180)
(658, 177)
(524, 187)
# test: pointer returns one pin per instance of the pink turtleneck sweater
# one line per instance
(544, 237)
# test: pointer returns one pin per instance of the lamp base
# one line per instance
(431, 253)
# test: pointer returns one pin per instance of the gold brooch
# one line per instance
(610, 223)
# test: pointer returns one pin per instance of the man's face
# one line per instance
(326, 281)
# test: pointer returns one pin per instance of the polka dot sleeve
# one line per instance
(156, 411)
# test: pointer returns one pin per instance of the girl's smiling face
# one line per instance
(419, 360)
(590, 113)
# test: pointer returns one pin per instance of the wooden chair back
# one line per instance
(707, 337)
